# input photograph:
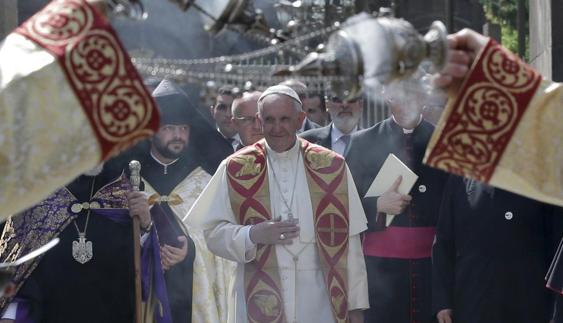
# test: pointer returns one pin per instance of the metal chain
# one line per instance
(260, 53)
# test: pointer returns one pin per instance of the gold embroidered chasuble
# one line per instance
(211, 274)
(250, 201)
(504, 128)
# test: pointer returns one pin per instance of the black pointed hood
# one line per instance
(174, 104)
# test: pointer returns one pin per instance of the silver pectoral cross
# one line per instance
(82, 249)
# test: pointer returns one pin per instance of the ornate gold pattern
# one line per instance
(212, 274)
(41, 223)
(249, 167)
(321, 159)
(328, 187)
(508, 71)
(61, 21)
(98, 70)
(476, 128)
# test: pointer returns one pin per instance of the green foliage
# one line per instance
(505, 13)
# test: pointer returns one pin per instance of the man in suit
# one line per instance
(221, 112)
(245, 118)
(345, 117)
(315, 107)
(398, 251)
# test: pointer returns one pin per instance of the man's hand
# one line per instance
(171, 256)
(464, 46)
(139, 206)
(274, 232)
(392, 202)
(445, 316)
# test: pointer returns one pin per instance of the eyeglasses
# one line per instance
(222, 107)
(245, 120)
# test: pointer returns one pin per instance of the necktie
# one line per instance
(231, 141)
(346, 140)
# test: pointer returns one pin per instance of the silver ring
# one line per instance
(282, 236)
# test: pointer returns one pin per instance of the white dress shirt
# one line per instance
(338, 145)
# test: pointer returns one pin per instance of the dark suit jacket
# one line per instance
(310, 125)
(320, 136)
(491, 253)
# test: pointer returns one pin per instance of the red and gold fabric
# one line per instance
(250, 200)
(69, 98)
(328, 187)
(504, 128)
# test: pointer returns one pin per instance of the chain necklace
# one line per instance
(294, 256)
(287, 205)
(82, 249)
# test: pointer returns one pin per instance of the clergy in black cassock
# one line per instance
(491, 254)
(398, 256)
(88, 280)
(175, 167)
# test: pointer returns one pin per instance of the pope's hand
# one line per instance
(139, 206)
(274, 232)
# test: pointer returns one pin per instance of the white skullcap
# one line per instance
(282, 90)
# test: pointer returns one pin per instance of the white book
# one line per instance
(392, 168)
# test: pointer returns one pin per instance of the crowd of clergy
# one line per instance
(260, 208)
(256, 210)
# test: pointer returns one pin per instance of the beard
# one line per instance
(347, 123)
(166, 152)
(94, 171)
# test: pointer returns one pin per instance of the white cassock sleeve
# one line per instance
(357, 274)
(212, 213)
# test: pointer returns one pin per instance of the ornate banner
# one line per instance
(477, 127)
(99, 71)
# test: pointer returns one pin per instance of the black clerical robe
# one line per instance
(56, 288)
(168, 181)
(491, 254)
(398, 256)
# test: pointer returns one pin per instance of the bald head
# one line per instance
(299, 87)
(245, 109)
(247, 101)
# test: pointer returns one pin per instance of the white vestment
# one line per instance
(304, 291)
(211, 274)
